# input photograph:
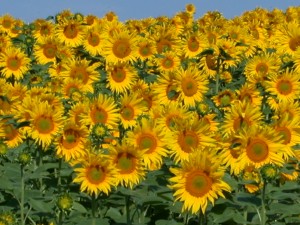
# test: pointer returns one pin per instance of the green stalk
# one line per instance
(201, 218)
(245, 215)
(58, 174)
(60, 217)
(127, 202)
(22, 195)
(263, 204)
(39, 163)
(94, 209)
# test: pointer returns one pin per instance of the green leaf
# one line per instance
(79, 208)
(167, 222)
(40, 205)
(115, 215)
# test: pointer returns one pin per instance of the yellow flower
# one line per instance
(198, 181)
(45, 123)
(14, 63)
(120, 77)
(95, 174)
(192, 85)
(102, 109)
(120, 48)
(128, 160)
(147, 136)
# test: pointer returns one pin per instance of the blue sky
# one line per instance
(29, 10)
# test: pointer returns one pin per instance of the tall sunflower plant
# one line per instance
(167, 120)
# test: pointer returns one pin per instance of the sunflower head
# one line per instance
(65, 201)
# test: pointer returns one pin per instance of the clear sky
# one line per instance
(29, 10)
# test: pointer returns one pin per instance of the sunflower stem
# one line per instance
(218, 75)
(127, 202)
(94, 206)
(263, 204)
(39, 160)
(245, 215)
(201, 218)
(22, 195)
(58, 174)
(60, 217)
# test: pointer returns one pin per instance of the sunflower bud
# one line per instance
(3, 149)
(24, 158)
(269, 172)
(65, 202)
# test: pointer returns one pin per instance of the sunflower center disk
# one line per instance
(93, 40)
(189, 87)
(257, 151)
(188, 141)
(13, 63)
(121, 49)
(49, 51)
(285, 133)
(262, 68)
(44, 125)
(193, 45)
(118, 75)
(95, 175)
(198, 183)
(70, 31)
(127, 113)
(147, 142)
(126, 163)
(99, 116)
(284, 87)
(294, 43)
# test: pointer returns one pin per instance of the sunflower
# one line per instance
(131, 108)
(192, 44)
(78, 111)
(120, 48)
(7, 23)
(241, 116)
(168, 61)
(102, 109)
(285, 86)
(287, 38)
(70, 144)
(191, 85)
(146, 136)
(288, 128)
(145, 48)
(70, 32)
(198, 181)
(165, 88)
(12, 135)
(120, 77)
(165, 38)
(43, 29)
(261, 146)
(82, 70)
(261, 66)
(5, 42)
(45, 123)
(188, 136)
(250, 174)
(170, 114)
(93, 41)
(249, 94)
(45, 51)
(72, 89)
(95, 174)
(224, 99)
(230, 153)
(208, 63)
(14, 63)
(128, 160)
(289, 109)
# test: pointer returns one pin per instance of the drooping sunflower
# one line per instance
(131, 108)
(188, 136)
(262, 145)
(45, 51)
(208, 63)
(95, 174)
(120, 77)
(70, 144)
(192, 85)
(45, 123)
(102, 109)
(198, 181)
(14, 62)
(128, 160)
(147, 137)
(285, 86)
(70, 32)
(261, 66)
(83, 70)
(120, 48)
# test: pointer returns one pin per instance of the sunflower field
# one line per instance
(164, 121)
